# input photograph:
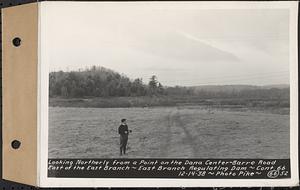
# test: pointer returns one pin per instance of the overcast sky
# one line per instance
(180, 45)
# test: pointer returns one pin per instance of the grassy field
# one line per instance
(165, 132)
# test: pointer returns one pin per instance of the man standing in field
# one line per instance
(123, 131)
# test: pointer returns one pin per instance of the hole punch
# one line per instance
(16, 42)
(15, 144)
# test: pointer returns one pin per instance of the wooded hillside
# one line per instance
(103, 82)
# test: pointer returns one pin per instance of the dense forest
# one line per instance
(103, 82)
(100, 82)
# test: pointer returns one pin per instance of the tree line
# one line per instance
(100, 82)
(103, 82)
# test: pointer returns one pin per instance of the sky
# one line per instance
(181, 45)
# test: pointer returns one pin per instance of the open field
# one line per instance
(279, 106)
(168, 132)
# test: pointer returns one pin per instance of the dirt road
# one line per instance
(223, 134)
(168, 132)
(179, 139)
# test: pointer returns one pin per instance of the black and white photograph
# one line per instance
(150, 82)
(159, 94)
(152, 92)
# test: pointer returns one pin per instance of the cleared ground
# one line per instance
(168, 132)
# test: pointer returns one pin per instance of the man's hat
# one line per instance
(122, 120)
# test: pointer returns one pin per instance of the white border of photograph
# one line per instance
(43, 83)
